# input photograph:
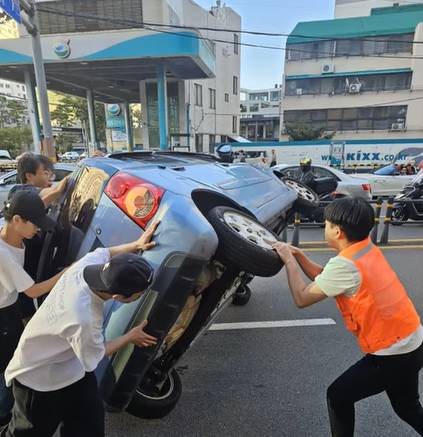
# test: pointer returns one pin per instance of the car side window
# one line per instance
(60, 174)
(291, 172)
(86, 196)
(11, 180)
(323, 173)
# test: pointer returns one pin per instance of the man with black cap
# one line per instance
(52, 368)
(24, 216)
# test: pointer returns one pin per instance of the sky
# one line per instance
(263, 68)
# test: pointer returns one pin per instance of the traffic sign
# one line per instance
(12, 8)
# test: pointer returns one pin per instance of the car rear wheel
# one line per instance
(242, 296)
(155, 402)
(399, 215)
(307, 200)
(244, 242)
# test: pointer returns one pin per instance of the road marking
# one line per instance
(271, 324)
(327, 249)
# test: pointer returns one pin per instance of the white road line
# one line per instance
(271, 324)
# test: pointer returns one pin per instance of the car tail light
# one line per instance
(366, 187)
(140, 200)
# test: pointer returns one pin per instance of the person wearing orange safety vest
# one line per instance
(376, 309)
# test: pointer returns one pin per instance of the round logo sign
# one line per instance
(114, 109)
(62, 50)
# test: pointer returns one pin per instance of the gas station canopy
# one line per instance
(112, 63)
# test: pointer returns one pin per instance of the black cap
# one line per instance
(29, 206)
(124, 274)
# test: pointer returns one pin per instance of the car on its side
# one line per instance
(347, 185)
(9, 180)
(386, 181)
(216, 221)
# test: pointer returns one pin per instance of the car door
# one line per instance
(6, 184)
(291, 172)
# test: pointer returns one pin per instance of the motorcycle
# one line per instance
(404, 208)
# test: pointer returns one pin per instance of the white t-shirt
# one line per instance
(64, 339)
(13, 278)
(341, 276)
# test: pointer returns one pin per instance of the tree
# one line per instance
(136, 116)
(301, 132)
(15, 140)
(13, 113)
(73, 110)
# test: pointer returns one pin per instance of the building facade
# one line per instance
(9, 89)
(260, 113)
(359, 77)
(200, 112)
(362, 8)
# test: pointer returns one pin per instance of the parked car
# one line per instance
(70, 156)
(347, 185)
(7, 163)
(386, 181)
(9, 180)
(216, 221)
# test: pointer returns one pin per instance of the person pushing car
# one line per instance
(376, 309)
(52, 369)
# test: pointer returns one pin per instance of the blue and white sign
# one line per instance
(12, 8)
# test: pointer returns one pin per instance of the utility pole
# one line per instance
(30, 21)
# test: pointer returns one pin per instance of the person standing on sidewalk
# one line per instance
(52, 370)
(376, 309)
(24, 216)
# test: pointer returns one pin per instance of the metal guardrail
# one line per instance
(385, 221)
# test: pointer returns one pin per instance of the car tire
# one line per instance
(158, 404)
(398, 216)
(242, 296)
(238, 248)
(307, 200)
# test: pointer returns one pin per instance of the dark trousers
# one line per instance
(397, 375)
(38, 414)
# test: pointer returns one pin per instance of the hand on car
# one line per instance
(284, 251)
(145, 243)
(61, 186)
(141, 338)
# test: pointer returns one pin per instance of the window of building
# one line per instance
(8, 85)
(226, 97)
(402, 43)
(275, 96)
(264, 97)
(347, 119)
(198, 94)
(235, 85)
(212, 98)
(212, 143)
(199, 143)
(243, 108)
(341, 85)
(236, 44)
(24, 96)
(234, 124)
(254, 108)
(1, 85)
(51, 22)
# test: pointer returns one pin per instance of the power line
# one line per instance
(211, 29)
(154, 26)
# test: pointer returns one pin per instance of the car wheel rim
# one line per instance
(301, 190)
(169, 386)
(249, 230)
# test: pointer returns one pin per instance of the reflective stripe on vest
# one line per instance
(380, 314)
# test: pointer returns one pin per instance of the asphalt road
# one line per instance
(272, 382)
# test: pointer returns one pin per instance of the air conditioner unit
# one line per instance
(398, 126)
(354, 88)
(328, 68)
(299, 91)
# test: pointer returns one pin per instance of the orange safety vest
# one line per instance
(380, 314)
